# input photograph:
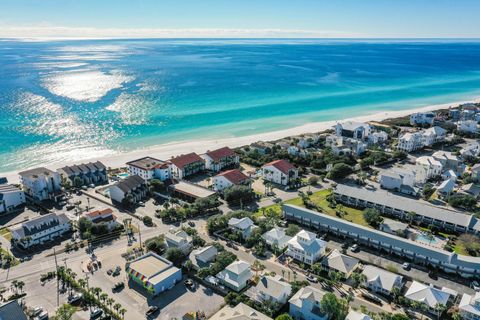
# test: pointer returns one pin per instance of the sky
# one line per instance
(241, 18)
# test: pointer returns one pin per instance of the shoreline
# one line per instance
(171, 149)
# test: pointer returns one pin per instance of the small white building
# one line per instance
(377, 137)
(411, 141)
(352, 129)
(240, 312)
(133, 187)
(471, 150)
(40, 230)
(339, 262)
(469, 306)
(102, 216)
(394, 179)
(186, 165)
(177, 238)
(446, 188)
(236, 275)
(306, 248)
(203, 257)
(354, 315)
(345, 146)
(427, 167)
(150, 168)
(429, 295)
(449, 161)
(41, 184)
(434, 135)
(244, 225)
(228, 179)
(276, 237)
(280, 172)
(219, 159)
(421, 118)
(272, 289)
(306, 304)
(467, 126)
(11, 198)
(380, 280)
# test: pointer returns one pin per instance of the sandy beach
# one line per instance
(168, 150)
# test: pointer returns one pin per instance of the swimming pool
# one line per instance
(123, 175)
(424, 238)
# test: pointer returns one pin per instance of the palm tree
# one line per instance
(257, 266)
(20, 285)
(103, 297)
(82, 283)
(122, 312)
(110, 302)
(440, 308)
(117, 306)
(96, 291)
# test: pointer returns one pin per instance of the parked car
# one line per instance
(406, 266)
(118, 286)
(42, 316)
(37, 311)
(371, 298)
(95, 313)
(141, 203)
(84, 188)
(191, 224)
(73, 298)
(475, 285)
(188, 283)
(109, 272)
(116, 272)
(91, 185)
(312, 278)
(151, 311)
(354, 248)
(70, 207)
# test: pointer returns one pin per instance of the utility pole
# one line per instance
(140, 238)
(58, 283)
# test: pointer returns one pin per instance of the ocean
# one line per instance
(77, 100)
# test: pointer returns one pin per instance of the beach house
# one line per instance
(469, 306)
(397, 179)
(421, 118)
(40, 230)
(11, 198)
(280, 172)
(133, 189)
(150, 168)
(177, 238)
(352, 129)
(203, 257)
(240, 312)
(380, 280)
(272, 289)
(429, 295)
(187, 165)
(85, 174)
(306, 304)
(228, 179)
(411, 141)
(219, 159)
(244, 226)
(104, 216)
(339, 262)
(305, 247)
(467, 126)
(276, 238)
(434, 135)
(449, 161)
(355, 315)
(427, 167)
(236, 275)
(41, 184)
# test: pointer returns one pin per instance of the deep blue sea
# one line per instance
(73, 100)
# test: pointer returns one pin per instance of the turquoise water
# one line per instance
(75, 100)
(423, 238)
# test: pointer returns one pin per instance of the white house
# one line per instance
(429, 295)
(280, 172)
(469, 306)
(339, 262)
(476, 172)
(411, 141)
(305, 247)
(427, 167)
(244, 225)
(186, 165)
(276, 237)
(240, 312)
(380, 280)
(471, 150)
(236, 275)
(41, 184)
(150, 168)
(467, 126)
(40, 230)
(434, 135)
(449, 175)
(133, 187)
(352, 129)
(102, 216)
(11, 198)
(272, 289)
(395, 179)
(305, 304)
(449, 161)
(354, 315)
(421, 118)
(203, 257)
(377, 137)
(219, 159)
(446, 188)
(228, 179)
(88, 173)
(345, 146)
(177, 238)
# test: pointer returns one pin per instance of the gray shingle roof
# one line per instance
(130, 183)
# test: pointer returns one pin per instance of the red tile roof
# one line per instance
(98, 213)
(218, 154)
(185, 159)
(235, 176)
(282, 165)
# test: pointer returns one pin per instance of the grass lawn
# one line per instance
(320, 199)
(6, 234)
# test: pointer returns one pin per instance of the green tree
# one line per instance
(460, 200)
(372, 217)
(292, 230)
(339, 171)
(77, 182)
(175, 255)
(334, 307)
(284, 316)
(156, 185)
(357, 279)
(64, 312)
(238, 194)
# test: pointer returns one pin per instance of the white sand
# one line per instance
(168, 150)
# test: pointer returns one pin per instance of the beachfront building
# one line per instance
(41, 184)
(229, 179)
(272, 289)
(203, 257)
(154, 273)
(219, 159)
(355, 315)
(339, 262)
(102, 216)
(345, 146)
(380, 280)
(422, 118)
(187, 165)
(11, 198)
(280, 172)
(305, 304)
(177, 238)
(410, 141)
(40, 230)
(305, 247)
(131, 190)
(276, 238)
(240, 312)
(236, 275)
(244, 226)
(150, 168)
(84, 174)
(427, 167)
(416, 252)
(469, 306)
(352, 129)
(262, 147)
(467, 126)
(429, 295)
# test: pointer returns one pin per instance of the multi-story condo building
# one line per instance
(11, 198)
(150, 168)
(133, 188)
(41, 184)
(219, 159)
(187, 165)
(86, 173)
(280, 172)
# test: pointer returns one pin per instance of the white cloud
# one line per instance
(45, 31)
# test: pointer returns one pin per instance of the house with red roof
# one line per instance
(228, 179)
(187, 165)
(280, 172)
(219, 159)
(102, 216)
(150, 168)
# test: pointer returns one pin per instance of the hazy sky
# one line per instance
(240, 18)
